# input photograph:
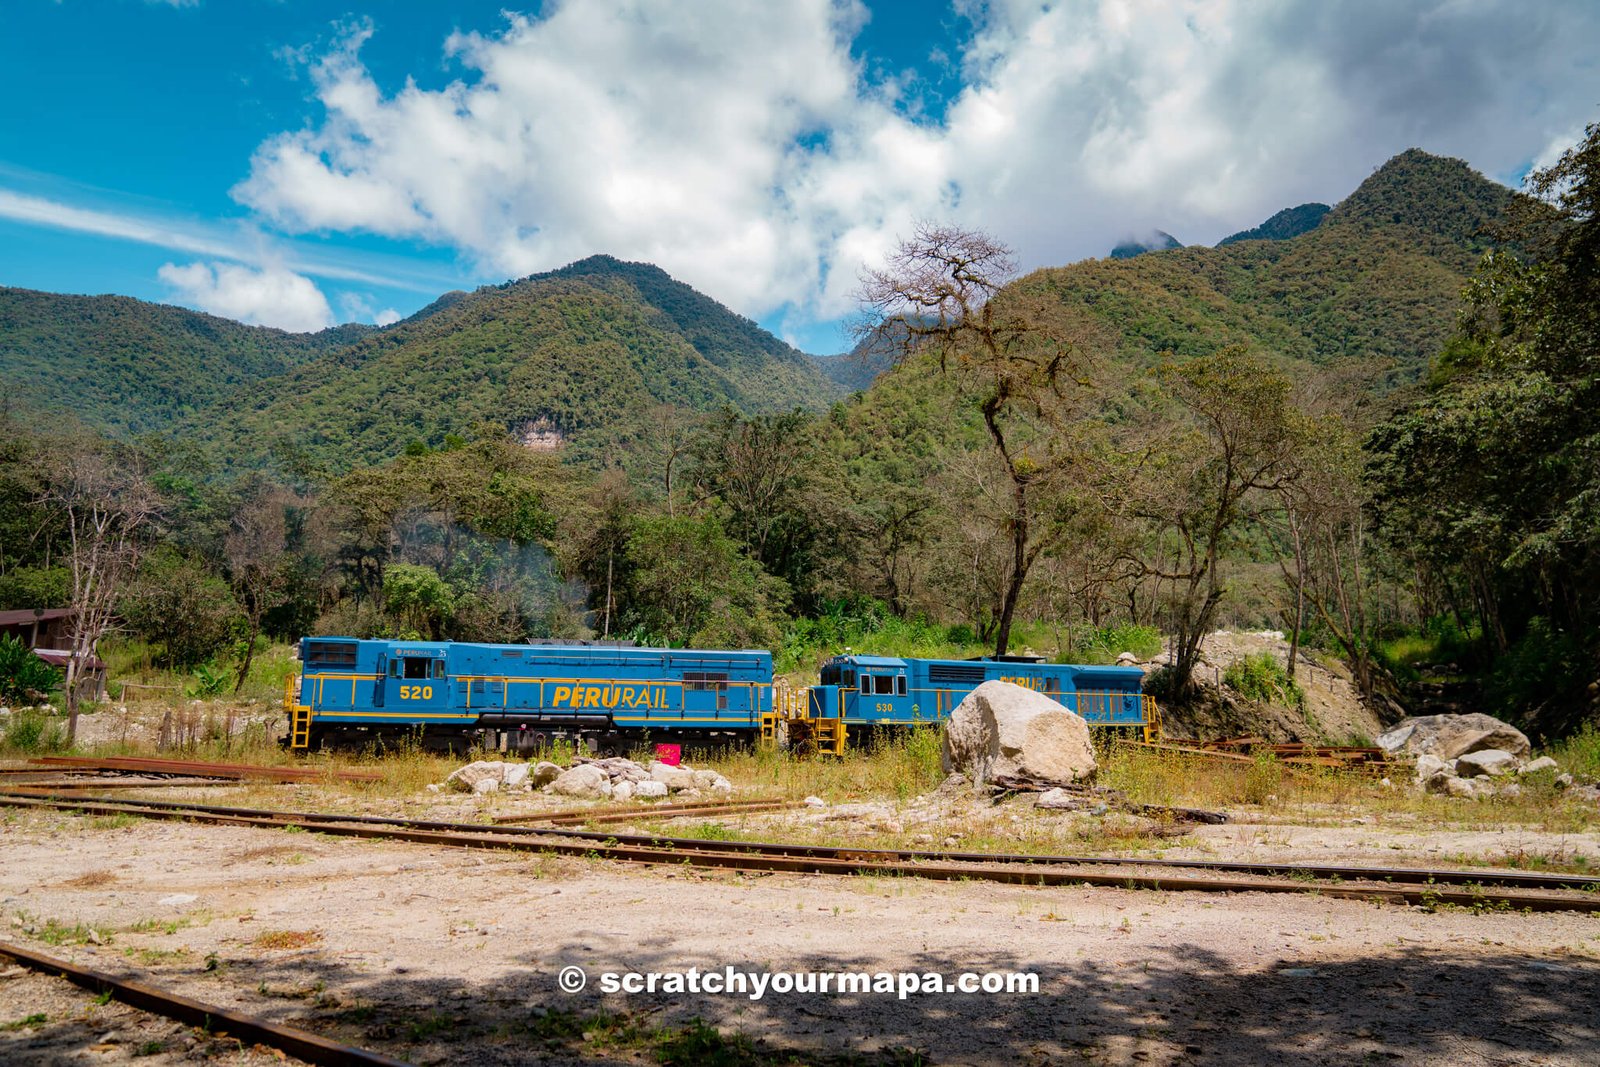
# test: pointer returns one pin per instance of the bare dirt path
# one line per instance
(440, 956)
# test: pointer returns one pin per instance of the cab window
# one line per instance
(414, 668)
(866, 683)
(901, 685)
(883, 685)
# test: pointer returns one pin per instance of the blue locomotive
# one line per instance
(444, 693)
(856, 693)
(606, 695)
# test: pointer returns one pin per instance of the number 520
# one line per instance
(416, 692)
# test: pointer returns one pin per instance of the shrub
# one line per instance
(1105, 644)
(1259, 676)
(29, 732)
(24, 677)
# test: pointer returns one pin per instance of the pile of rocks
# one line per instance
(615, 777)
(1472, 755)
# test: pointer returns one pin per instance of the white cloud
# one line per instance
(247, 244)
(269, 296)
(742, 148)
(386, 317)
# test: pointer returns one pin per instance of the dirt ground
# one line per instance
(1333, 712)
(439, 956)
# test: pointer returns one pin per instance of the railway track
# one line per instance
(218, 1021)
(1494, 889)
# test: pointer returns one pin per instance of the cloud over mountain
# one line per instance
(746, 149)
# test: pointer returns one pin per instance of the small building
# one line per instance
(48, 632)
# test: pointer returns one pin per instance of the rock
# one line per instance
(1491, 761)
(486, 785)
(1464, 788)
(1004, 729)
(1428, 766)
(1058, 800)
(1449, 736)
(1439, 783)
(650, 790)
(1563, 781)
(721, 786)
(584, 780)
(466, 779)
(676, 779)
(1127, 659)
(1543, 763)
(1508, 789)
(516, 776)
(622, 790)
(545, 772)
(177, 900)
(435, 787)
(815, 802)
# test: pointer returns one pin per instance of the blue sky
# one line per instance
(304, 163)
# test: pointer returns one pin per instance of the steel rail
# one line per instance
(740, 856)
(221, 1022)
(665, 811)
(1402, 875)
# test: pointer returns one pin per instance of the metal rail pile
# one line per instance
(1477, 889)
(239, 772)
(657, 811)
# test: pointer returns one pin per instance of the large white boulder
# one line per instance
(1450, 736)
(516, 776)
(466, 779)
(675, 779)
(650, 789)
(584, 780)
(1002, 729)
(545, 772)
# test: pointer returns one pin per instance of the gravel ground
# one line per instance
(438, 956)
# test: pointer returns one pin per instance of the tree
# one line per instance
(1490, 482)
(691, 583)
(1013, 352)
(418, 597)
(260, 566)
(105, 504)
(1193, 481)
(178, 602)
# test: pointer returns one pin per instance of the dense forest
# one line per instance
(1371, 428)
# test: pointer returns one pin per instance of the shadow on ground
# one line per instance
(1182, 1004)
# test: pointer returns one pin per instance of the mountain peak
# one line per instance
(1159, 241)
(1433, 194)
(1289, 223)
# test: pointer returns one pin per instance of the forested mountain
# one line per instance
(1290, 222)
(128, 366)
(582, 353)
(1379, 278)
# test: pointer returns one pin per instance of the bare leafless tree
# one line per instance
(948, 294)
(105, 503)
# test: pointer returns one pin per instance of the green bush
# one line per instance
(1105, 644)
(1579, 754)
(1259, 676)
(31, 732)
(24, 677)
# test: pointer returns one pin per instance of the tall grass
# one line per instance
(901, 764)
(31, 732)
